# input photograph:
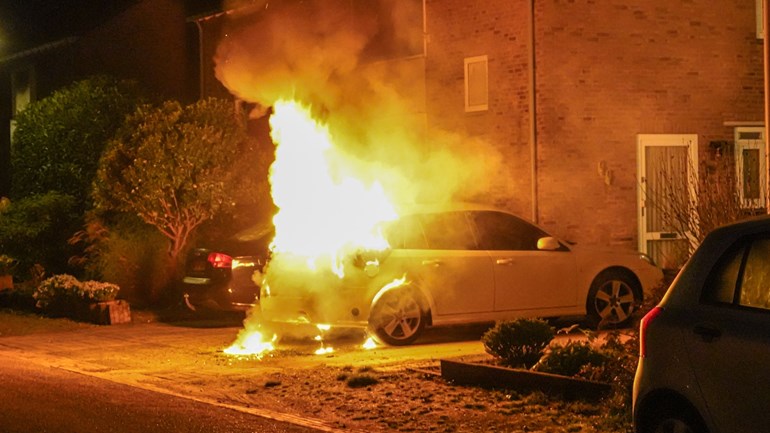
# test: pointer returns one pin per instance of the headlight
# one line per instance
(647, 259)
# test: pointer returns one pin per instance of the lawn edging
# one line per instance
(493, 376)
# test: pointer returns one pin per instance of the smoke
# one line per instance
(358, 65)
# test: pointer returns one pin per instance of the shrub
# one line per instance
(59, 289)
(35, 230)
(66, 294)
(571, 358)
(518, 343)
(58, 139)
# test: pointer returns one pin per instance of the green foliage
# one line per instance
(623, 352)
(35, 229)
(172, 166)
(58, 139)
(126, 251)
(518, 343)
(571, 358)
(63, 292)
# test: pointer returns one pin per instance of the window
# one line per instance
(750, 166)
(741, 276)
(476, 84)
(406, 233)
(448, 231)
(499, 231)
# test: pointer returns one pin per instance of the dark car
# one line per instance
(227, 277)
(705, 349)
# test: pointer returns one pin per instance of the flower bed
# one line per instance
(90, 301)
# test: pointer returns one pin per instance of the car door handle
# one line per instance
(434, 263)
(708, 333)
(504, 261)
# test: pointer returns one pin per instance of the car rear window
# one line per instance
(501, 231)
(741, 276)
(448, 231)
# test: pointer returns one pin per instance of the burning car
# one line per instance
(456, 265)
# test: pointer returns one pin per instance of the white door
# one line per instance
(667, 170)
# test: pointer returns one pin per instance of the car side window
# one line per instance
(448, 231)
(501, 231)
(723, 279)
(755, 284)
(406, 233)
(741, 276)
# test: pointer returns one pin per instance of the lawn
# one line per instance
(13, 322)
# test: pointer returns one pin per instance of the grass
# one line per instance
(14, 323)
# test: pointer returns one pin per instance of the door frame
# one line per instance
(662, 140)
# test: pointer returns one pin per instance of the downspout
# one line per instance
(201, 63)
(766, 73)
(532, 110)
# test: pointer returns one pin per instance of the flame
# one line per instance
(251, 343)
(324, 213)
(369, 344)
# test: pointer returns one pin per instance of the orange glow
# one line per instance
(324, 213)
(251, 343)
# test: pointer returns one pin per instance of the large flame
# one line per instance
(324, 212)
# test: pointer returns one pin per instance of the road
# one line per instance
(173, 377)
(37, 399)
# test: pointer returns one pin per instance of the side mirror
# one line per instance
(548, 244)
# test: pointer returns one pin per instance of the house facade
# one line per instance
(592, 105)
(595, 106)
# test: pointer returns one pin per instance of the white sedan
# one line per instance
(459, 266)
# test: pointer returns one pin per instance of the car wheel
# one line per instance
(397, 318)
(612, 299)
(673, 420)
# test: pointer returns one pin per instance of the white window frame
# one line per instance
(740, 146)
(471, 103)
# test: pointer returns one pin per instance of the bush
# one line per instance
(518, 343)
(58, 139)
(35, 230)
(66, 294)
(125, 251)
(571, 359)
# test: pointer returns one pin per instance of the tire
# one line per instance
(613, 298)
(672, 420)
(398, 318)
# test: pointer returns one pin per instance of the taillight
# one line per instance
(646, 320)
(220, 261)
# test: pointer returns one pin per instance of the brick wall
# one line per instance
(605, 71)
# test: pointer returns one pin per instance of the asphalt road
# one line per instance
(37, 399)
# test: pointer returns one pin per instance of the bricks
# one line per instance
(110, 313)
(605, 72)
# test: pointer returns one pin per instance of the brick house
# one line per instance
(622, 93)
(587, 101)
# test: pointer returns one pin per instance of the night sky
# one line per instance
(28, 23)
